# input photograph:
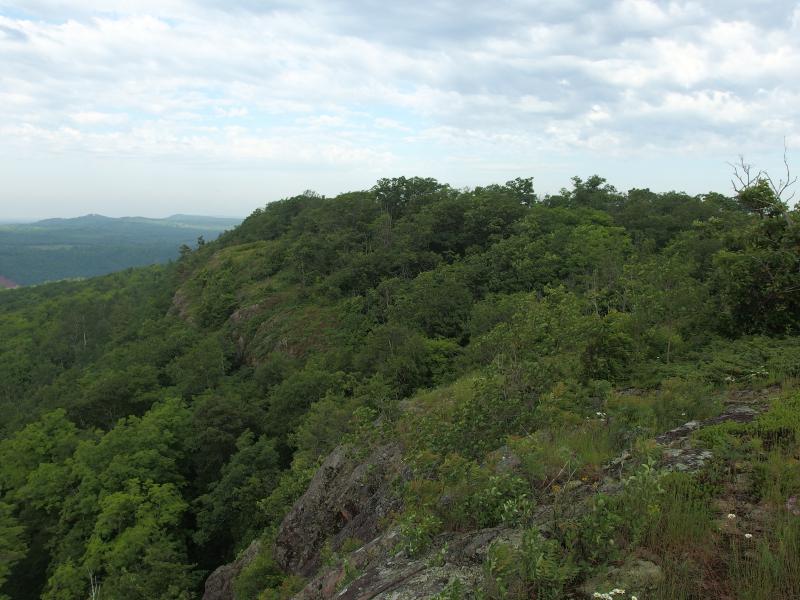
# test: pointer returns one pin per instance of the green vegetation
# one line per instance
(93, 245)
(156, 421)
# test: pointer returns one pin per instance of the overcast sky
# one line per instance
(152, 107)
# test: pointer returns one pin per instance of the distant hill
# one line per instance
(91, 245)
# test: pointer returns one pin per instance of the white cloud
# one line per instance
(98, 118)
(349, 83)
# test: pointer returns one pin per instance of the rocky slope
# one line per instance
(351, 500)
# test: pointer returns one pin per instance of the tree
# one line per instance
(135, 549)
(757, 274)
(12, 543)
(122, 520)
(523, 190)
(225, 515)
(758, 192)
(400, 195)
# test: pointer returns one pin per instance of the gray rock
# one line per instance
(734, 413)
(346, 499)
(350, 499)
(219, 585)
(686, 459)
(381, 574)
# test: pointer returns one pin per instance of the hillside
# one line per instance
(414, 391)
(91, 245)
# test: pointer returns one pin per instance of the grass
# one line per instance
(768, 568)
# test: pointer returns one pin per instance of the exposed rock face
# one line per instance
(350, 498)
(347, 499)
(377, 572)
(180, 305)
(736, 413)
(219, 585)
(679, 455)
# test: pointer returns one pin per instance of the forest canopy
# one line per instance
(157, 420)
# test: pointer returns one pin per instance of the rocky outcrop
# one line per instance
(181, 306)
(346, 500)
(680, 455)
(736, 413)
(219, 585)
(353, 497)
(378, 571)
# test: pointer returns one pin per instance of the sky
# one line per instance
(154, 107)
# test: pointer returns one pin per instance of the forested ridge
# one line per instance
(92, 245)
(156, 421)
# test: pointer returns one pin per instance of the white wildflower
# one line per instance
(731, 516)
(748, 536)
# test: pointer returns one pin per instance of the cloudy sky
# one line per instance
(154, 107)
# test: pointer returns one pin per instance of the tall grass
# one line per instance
(769, 568)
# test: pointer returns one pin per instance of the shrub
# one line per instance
(538, 568)
(417, 530)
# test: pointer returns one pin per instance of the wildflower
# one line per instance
(748, 536)
(731, 516)
(617, 591)
(634, 598)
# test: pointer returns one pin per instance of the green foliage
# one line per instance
(12, 543)
(417, 530)
(157, 420)
(538, 568)
(756, 277)
(617, 522)
(225, 512)
(262, 578)
(135, 550)
(769, 567)
(454, 590)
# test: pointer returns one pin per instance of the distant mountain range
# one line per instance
(92, 245)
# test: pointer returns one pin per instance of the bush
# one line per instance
(538, 568)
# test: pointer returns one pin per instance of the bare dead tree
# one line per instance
(780, 188)
(745, 177)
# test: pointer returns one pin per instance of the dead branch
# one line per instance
(780, 188)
